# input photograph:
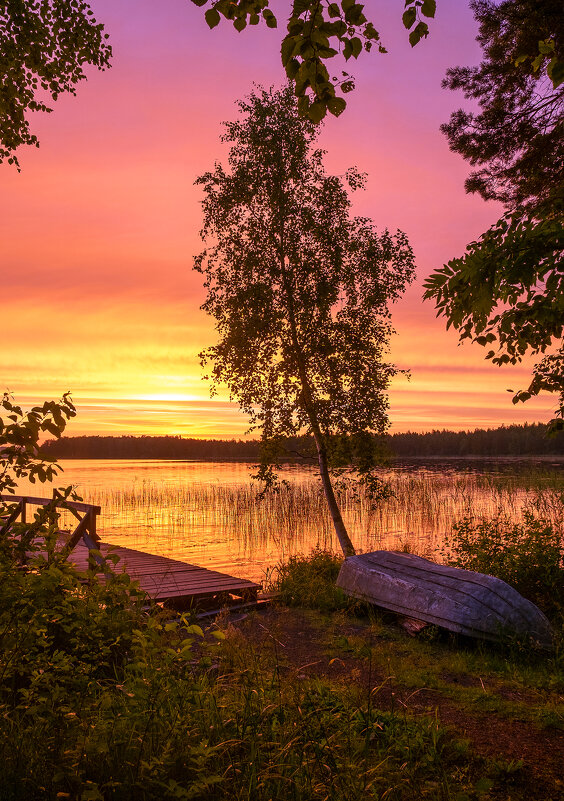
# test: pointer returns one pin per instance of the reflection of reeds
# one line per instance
(225, 524)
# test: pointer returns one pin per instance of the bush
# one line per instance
(309, 581)
(527, 555)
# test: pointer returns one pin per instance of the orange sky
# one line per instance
(99, 230)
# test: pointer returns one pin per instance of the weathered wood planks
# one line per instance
(169, 580)
(470, 603)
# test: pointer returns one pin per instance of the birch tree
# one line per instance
(300, 291)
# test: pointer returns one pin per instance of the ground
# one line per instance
(509, 706)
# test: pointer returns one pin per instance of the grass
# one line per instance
(309, 582)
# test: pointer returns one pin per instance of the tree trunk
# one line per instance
(340, 529)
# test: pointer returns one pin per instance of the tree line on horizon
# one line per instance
(528, 439)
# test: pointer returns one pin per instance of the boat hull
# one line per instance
(462, 601)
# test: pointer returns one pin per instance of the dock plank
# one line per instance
(170, 580)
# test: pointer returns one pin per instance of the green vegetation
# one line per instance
(102, 700)
(309, 582)
(506, 292)
(529, 555)
(106, 698)
(316, 32)
(44, 48)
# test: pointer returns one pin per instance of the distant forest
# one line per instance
(513, 440)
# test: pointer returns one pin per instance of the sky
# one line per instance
(99, 230)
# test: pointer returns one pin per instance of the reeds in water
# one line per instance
(228, 523)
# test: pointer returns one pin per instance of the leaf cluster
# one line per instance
(529, 555)
(20, 433)
(44, 46)
(507, 293)
(96, 695)
(317, 31)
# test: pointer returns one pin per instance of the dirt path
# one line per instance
(302, 648)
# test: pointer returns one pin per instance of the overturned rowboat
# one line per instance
(459, 600)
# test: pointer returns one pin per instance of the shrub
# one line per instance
(309, 581)
(528, 555)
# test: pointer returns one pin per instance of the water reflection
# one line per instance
(208, 513)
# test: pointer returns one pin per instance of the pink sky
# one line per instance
(99, 230)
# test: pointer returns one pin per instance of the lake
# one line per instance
(209, 513)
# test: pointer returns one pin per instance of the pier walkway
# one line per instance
(177, 584)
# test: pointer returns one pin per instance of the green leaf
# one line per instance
(303, 105)
(429, 8)
(409, 17)
(269, 18)
(546, 47)
(354, 15)
(555, 72)
(240, 24)
(212, 17)
(317, 111)
(287, 48)
(370, 32)
(356, 45)
(336, 105)
(292, 68)
(419, 32)
(333, 10)
(194, 629)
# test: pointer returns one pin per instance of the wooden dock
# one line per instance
(175, 583)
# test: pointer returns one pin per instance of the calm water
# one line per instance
(208, 513)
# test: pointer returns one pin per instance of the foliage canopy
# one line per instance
(516, 140)
(507, 292)
(44, 47)
(299, 288)
(317, 31)
(20, 431)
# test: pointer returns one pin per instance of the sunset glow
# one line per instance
(99, 230)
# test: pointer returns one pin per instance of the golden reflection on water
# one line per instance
(209, 513)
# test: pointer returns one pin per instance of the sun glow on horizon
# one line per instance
(100, 228)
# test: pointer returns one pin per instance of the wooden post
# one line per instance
(92, 525)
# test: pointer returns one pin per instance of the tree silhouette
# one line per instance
(300, 291)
